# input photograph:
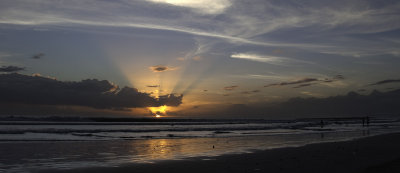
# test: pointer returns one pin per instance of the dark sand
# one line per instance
(376, 154)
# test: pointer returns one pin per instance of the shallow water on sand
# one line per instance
(29, 156)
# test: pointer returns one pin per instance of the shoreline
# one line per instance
(370, 154)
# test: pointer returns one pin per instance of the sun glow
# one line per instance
(158, 111)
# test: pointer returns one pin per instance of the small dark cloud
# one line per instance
(338, 77)
(38, 56)
(270, 85)
(225, 94)
(250, 92)
(24, 89)
(152, 86)
(205, 90)
(160, 68)
(230, 88)
(362, 90)
(385, 82)
(303, 85)
(328, 80)
(307, 82)
(9, 69)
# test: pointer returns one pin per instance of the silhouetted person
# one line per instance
(322, 123)
(367, 121)
(363, 121)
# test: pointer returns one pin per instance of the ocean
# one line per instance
(27, 146)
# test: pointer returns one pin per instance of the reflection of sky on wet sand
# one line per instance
(73, 154)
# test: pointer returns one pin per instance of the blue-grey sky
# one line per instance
(212, 51)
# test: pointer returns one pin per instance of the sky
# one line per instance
(203, 55)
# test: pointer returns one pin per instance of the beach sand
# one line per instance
(375, 154)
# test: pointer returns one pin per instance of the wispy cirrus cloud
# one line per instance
(275, 60)
(239, 22)
(200, 6)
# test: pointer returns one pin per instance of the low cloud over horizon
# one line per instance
(24, 89)
(10, 68)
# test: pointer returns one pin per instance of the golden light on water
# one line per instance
(158, 116)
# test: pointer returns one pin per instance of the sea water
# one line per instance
(31, 145)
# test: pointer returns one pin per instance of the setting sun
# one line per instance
(158, 111)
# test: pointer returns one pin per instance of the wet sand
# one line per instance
(368, 155)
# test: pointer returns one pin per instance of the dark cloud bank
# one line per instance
(353, 104)
(24, 89)
(8, 69)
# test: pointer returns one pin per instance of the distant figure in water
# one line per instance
(363, 121)
(322, 123)
(367, 121)
(213, 146)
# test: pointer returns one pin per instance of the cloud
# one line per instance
(24, 89)
(361, 90)
(197, 58)
(275, 60)
(200, 6)
(160, 68)
(170, 100)
(250, 92)
(311, 94)
(230, 88)
(305, 82)
(258, 58)
(338, 77)
(233, 27)
(153, 86)
(38, 56)
(385, 82)
(11, 69)
(303, 85)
